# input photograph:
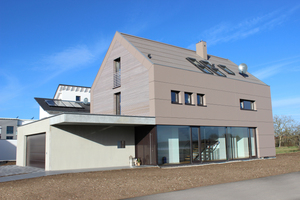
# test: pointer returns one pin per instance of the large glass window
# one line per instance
(213, 143)
(237, 143)
(173, 144)
(9, 130)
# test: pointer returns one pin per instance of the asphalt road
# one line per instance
(280, 187)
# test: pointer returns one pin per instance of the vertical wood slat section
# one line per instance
(134, 85)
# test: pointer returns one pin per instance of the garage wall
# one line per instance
(77, 147)
(37, 127)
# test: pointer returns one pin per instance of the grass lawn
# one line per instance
(280, 150)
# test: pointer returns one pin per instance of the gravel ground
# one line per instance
(120, 184)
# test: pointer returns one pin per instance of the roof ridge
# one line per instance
(157, 42)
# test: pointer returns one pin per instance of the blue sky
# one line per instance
(46, 43)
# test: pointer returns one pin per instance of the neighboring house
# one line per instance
(66, 93)
(8, 127)
(8, 136)
(160, 103)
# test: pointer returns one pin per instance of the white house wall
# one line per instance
(77, 147)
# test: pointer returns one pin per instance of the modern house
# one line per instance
(70, 94)
(160, 103)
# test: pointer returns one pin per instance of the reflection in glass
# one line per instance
(173, 144)
(237, 142)
(252, 139)
(213, 145)
(195, 143)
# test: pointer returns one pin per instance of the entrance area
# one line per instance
(185, 144)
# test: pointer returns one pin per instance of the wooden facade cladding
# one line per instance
(134, 87)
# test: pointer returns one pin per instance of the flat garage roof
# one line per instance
(94, 119)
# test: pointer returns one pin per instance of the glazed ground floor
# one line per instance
(165, 145)
(78, 141)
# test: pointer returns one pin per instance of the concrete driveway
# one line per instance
(281, 187)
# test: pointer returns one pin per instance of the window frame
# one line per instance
(188, 96)
(8, 132)
(121, 144)
(117, 99)
(177, 97)
(117, 73)
(77, 98)
(202, 97)
(252, 104)
(200, 66)
(226, 69)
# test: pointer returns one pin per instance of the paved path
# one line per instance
(280, 187)
(13, 172)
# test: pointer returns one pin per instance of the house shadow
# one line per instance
(105, 135)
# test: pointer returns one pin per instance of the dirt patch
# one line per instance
(8, 163)
(128, 183)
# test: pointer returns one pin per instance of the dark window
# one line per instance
(9, 137)
(200, 66)
(200, 99)
(77, 98)
(187, 98)
(9, 130)
(0, 129)
(117, 72)
(175, 96)
(223, 67)
(121, 144)
(246, 104)
(118, 103)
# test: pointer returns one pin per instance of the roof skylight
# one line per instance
(212, 67)
(223, 67)
(200, 66)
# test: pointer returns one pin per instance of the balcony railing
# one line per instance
(117, 79)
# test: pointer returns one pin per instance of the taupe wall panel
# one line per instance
(134, 85)
(222, 97)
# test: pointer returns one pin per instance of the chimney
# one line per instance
(201, 49)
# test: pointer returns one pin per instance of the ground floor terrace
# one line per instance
(78, 141)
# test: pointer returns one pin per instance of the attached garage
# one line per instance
(35, 152)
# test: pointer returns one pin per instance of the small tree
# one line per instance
(283, 127)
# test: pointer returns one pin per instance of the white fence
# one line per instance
(8, 150)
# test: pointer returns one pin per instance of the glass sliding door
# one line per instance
(195, 144)
(173, 144)
(213, 143)
(252, 135)
(237, 143)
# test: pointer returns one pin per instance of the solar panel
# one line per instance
(62, 103)
(50, 103)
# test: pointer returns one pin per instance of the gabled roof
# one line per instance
(82, 108)
(173, 56)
